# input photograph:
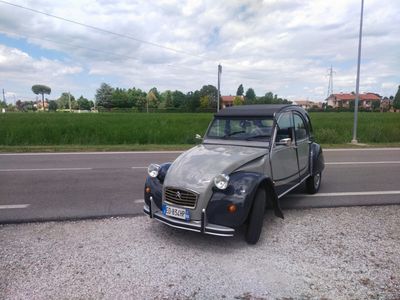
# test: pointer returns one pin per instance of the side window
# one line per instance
(285, 125)
(218, 128)
(299, 128)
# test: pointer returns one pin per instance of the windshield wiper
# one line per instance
(258, 136)
(234, 133)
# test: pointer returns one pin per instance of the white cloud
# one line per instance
(278, 46)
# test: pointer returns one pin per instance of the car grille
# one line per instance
(181, 197)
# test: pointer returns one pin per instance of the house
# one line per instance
(39, 104)
(387, 104)
(228, 100)
(307, 104)
(344, 100)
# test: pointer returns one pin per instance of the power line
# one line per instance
(104, 30)
(26, 36)
(122, 36)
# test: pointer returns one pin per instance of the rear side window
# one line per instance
(299, 127)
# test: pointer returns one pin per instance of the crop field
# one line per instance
(47, 129)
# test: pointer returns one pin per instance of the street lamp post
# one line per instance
(219, 83)
(354, 140)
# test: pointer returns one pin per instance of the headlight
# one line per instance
(221, 181)
(153, 169)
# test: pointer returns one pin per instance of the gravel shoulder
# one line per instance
(335, 253)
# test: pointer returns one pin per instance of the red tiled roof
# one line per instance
(228, 98)
(347, 96)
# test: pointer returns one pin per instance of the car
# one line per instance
(250, 157)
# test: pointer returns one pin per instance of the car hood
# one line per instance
(196, 168)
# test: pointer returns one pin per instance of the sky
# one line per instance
(282, 46)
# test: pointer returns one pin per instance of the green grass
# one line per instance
(337, 128)
(135, 131)
(25, 129)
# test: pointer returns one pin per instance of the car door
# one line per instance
(283, 157)
(302, 144)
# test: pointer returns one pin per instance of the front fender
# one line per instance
(317, 161)
(241, 191)
(156, 186)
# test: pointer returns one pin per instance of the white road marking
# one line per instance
(88, 153)
(49, 169)
(341, 194)
(138, 201)
(361, 149)
(171, 152)
(13, 206)
(362, 162)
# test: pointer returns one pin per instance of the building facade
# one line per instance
(345, 100)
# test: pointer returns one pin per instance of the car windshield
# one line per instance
(240, 128)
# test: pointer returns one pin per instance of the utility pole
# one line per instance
(219, 85)
(354, 140)
(4, 97)
(69, 101)
(330, 84)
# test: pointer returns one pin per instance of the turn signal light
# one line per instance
(147, 190)
(232, 208)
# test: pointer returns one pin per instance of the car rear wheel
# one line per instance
(256, 218)
(313, 183)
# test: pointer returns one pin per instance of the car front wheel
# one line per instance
(313, 183)
(256, 217)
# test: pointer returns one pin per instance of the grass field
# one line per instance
(108, 129)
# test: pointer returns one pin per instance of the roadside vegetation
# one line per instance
(151, 131)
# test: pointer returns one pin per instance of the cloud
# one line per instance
(278, 46)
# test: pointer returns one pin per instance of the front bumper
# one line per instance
(198, 226)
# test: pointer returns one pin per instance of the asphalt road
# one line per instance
(54, 186)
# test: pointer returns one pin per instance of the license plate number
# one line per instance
(180, 213)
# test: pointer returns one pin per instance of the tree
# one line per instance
(41, 89)
(375, 105)
(192, 101)
(250, 95)
(204, 101)
(238, 100)
(63, 101)
(167, 97)
(137, 97)
(396, 101)
(104, 95)
(210, 92)
(151, 100)
(120, 99)
(178, 99)
(52, 105)
(240, 90)
(83, 103)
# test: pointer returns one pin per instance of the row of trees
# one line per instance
(110, 98)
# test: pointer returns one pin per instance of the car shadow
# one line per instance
(195, 241)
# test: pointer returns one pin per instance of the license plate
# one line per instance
(180, 213)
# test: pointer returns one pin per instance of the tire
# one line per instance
(313, 183)
(256, 217)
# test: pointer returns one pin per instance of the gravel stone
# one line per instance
(335, 253)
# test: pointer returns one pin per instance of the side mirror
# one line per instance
(198, 137)
(285, 142)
